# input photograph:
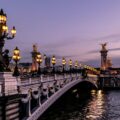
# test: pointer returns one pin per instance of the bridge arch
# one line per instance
(87, 85)
(58, 94)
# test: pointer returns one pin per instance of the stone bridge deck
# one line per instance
(47, 89)
(37, 94)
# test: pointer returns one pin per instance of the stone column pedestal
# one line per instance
(8, 84)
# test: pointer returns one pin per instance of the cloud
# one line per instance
(114, 49)
(97, 51)
(96, 62)
(92, 52)
(61, 43)
(109, 37)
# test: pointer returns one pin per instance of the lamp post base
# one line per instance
(16, 72)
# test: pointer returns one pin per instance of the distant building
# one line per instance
(22, 67)
(25, 67)
(47, 62)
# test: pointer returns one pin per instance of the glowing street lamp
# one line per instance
(4, 35)
(39, 61)
(63, 63)
(53, 62)
(76, 64)
(16, 57)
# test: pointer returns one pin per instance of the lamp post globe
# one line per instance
(53, 61)
(4, 35)
(16, 57)
(76, 65)
(63, 63)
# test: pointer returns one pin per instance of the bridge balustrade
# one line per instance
(37, 93)
(44, 86)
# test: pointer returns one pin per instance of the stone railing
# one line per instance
(44, 88)
(24, 84)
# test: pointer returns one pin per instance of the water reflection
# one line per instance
(79, 105)
(113, 105)
(95, 107)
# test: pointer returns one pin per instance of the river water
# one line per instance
(80, 105)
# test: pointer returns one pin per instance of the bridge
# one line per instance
(28, 97)
(33, 95)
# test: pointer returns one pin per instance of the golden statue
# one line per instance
(104, 46)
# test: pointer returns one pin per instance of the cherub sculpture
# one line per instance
(4, 61)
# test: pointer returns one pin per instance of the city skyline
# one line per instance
(65, 28)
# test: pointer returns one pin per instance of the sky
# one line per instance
(70, 28)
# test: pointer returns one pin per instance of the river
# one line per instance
(81, 105)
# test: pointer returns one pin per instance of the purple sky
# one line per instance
(72, 28)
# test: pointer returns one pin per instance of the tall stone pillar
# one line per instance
(104, 56)
(8, 84)
(34, 55)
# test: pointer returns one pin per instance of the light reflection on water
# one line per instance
(97, 105)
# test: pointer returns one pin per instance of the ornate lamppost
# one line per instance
(16, 57)
(63, 63)
(70, 64)
(76, 65)
(39, 61)
(53, 63)
(4, 35)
